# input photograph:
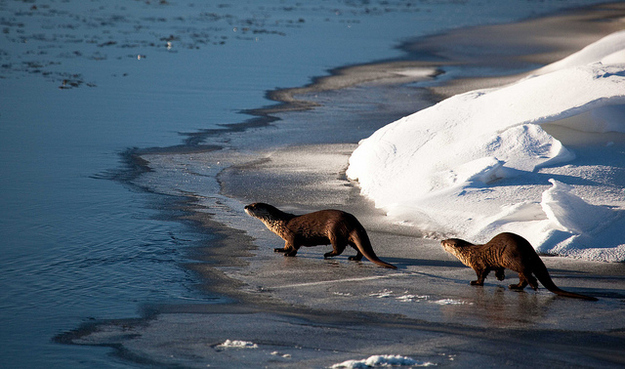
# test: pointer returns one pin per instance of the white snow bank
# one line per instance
(481, 163)
(381, 361)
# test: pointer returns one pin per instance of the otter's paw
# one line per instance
(516, 287)
(500, 275)
(477, 283)
(291, 252)
(280, 250)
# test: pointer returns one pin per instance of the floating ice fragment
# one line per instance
(382, 361)
(238, 344)
(382, 294)
(277, 353)
(411, 298)
(451, 302)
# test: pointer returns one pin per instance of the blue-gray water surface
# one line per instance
(82, 82)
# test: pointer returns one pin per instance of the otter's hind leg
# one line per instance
(522, 282)
(532, 282)
(358, 255)
(337, 248)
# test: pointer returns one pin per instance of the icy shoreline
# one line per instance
(311, 312)
(480, 163)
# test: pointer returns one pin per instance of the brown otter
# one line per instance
(319, 228)
(506, 250)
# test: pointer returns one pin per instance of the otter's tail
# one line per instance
(542, 275)
(361, 240)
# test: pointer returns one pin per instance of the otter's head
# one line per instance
(266, 212)
(262, 211)
(454, 245)
(269, 215)
(458, 248)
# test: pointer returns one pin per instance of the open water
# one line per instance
(82, 82)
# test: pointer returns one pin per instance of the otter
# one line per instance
(323, 227)
(506, 250)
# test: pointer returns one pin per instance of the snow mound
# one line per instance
(484, 162)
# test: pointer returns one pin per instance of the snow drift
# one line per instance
(483, 162)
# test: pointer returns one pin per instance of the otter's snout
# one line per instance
(450, 245)
(254, 209)
(444, 244)
(248, 209)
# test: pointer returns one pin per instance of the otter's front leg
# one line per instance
(481, 275)
(330, 254)
(499, 273)
(288, 250)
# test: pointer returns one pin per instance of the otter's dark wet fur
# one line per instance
(323, 227)
(506, 250)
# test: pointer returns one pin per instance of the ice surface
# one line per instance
(485, 161)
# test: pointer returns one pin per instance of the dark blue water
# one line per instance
(81, 82)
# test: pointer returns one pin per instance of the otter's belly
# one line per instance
(313, 240)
